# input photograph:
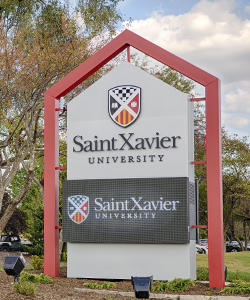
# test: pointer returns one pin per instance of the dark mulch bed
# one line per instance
(63, 288)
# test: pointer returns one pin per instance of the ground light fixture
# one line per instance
(13, 266)
(142, 286)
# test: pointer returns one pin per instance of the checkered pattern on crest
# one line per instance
(124, 92)
(124, 104)
(78, 200)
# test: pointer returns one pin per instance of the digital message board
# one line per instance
(141, 210)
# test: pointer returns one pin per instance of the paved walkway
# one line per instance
(162, 296)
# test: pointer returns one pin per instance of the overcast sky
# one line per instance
(214, 35)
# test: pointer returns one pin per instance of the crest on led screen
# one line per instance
(78, 208)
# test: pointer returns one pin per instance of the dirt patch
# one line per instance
(63, 288)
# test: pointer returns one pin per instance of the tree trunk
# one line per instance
(6, 216)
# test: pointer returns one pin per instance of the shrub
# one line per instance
(176, 285)
(238, 287)
(45, 279)
(202, 273)
(25, 288)
(26, 277)
(64, 256)
(37, 262)
(108, 285)
(94, 285)
(35, 278)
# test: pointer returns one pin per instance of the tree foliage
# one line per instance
(99, 15)
(236, 180)
(236, 186)
(166, 74)
(41, 42)
(35, 233)
(16, 13)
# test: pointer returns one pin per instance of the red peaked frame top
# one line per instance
(213, 146)
(112, 49)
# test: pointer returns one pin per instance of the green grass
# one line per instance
(235, 261)
(25, 268)
(238, 266)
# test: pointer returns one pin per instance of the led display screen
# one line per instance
(135, 210)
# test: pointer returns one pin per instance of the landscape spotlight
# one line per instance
(13, 266)
(142, 286)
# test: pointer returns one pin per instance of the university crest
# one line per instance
(78, 208)
(124, 104)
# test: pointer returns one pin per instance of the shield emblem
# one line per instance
(124, 104)
(78, 208)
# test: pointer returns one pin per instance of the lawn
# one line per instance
(235, 261)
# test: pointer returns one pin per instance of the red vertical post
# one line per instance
(51, 186)
(214, 186)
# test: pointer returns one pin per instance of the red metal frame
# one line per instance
(199, 226)
(213, 150)
(51, 186)
(197, 99)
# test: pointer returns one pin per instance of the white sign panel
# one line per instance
(128, 125)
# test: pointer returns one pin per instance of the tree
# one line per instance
(236, 186)
(41, 42)
(236, 180)
(99, 15)
(166, 74)
(32, 208)
(200, 170)
(17, 222)
(35, 233)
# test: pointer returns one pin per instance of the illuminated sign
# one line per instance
(142, 210)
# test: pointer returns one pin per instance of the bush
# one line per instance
(108, 285)
(94, 285)
(176, 285)
(64, 256)
(202, 273)
(26, 277)
(25, 288)
(35, 278)
(37, 262)
(238, 287)
(45, 279)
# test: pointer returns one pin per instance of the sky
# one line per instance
(214, 35)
